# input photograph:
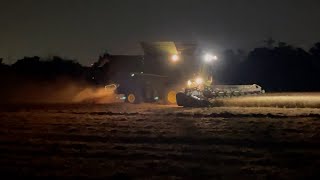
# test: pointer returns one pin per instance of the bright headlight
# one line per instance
(174, 58)
(199, 80)
(209, 57)
(189, 83)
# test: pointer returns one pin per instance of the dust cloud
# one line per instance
(59, 91)
(96, 95)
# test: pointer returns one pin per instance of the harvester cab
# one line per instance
(203, 77)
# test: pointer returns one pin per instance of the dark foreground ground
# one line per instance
(160, 142)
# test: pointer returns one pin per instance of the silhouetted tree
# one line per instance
(277, 68)
(269, 42)
(315, 50)
(35, 68)
(315, 58)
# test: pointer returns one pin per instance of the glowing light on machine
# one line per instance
(175, 58)
(189, 83)
(199, 80)
(195, 82)
(210, 58)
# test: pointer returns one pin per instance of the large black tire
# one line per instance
(187, 101)
(181, 99)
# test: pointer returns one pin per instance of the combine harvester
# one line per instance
(161, 75)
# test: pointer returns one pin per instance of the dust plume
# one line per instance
(96, 95)
(59, 91)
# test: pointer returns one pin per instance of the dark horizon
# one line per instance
(83, 30)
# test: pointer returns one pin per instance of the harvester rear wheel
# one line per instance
(133, 98)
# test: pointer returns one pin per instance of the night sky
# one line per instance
(83, 29)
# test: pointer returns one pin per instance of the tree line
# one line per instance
(280, 67)
(43, 69)
(276, 68)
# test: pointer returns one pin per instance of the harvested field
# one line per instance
(160, 142)
(283, 100)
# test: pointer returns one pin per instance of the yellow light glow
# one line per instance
(189, 83)
(172, 97)
(199, 80)
(210, 58)
(174, 58)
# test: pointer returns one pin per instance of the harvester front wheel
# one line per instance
(181, 99)
(170, 97)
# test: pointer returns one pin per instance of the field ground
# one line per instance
(161, 142)
(286, 100)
